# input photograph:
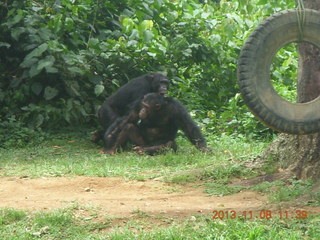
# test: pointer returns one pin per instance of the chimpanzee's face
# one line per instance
(160, 83)
(163, 86)
(150, 105)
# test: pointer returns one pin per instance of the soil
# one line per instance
(119, 197)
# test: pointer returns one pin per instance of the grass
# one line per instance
(280, 191)
(64, 224)
(73, 154)
(69, 155)
(294, 189)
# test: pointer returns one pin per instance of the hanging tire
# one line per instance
(254, 73)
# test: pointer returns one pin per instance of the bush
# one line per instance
(60, 59)
(14, 134)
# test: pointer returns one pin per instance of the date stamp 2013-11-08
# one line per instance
(260, 214)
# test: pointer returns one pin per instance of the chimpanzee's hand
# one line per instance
(139, 150)
(108, 151)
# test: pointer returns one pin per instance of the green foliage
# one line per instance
(267, 186)
(13, 134)
(69, 224)
(284, 191)
(294, 189)
(220, 189)
(72, 154)
(284, 70)
(60, 59)
(10, 216)
(315, 196)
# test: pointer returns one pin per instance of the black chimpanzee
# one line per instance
(118, 104)
(152, 125)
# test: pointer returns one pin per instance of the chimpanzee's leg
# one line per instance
(130, 132)
(157, 148)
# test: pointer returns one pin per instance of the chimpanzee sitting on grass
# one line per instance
(152, 125)
(118, 104)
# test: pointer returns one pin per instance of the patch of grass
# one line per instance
(65, 224)
(183, 178)
(10, 216)
(219, 177)
(226, 171)
(68, 154)
(221, 189)
(55, 225)
(314, 199)
(295, 188)
(270, 166)
(280, 191)
(267, 187)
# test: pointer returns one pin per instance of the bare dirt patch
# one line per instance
(118, 197)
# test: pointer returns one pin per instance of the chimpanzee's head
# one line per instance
(150, 105)
(160, 83)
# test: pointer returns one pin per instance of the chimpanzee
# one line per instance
(118, 104)
(152, 125)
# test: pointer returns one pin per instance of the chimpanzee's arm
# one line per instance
(184, 121)
(115, 128)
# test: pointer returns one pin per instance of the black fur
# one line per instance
(158, 129)
(119, 103)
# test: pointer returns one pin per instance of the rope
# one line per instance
(301, 16)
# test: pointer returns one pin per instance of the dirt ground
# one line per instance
(120, 198)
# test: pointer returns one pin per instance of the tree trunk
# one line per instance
(301, 154)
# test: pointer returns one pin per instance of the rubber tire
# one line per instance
(254, 73)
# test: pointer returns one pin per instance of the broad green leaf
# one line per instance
(132, 43)
(215, 38)
(146, 25)
(48, 61)
(15, 82)
(34, 71)
(75, 70)
(152, 54)
(263, 2)
(39, 120)
(128, 24)
(98, 89)
(134, 34)
(44, 34)
(36, 88)
(236, 17)
(69, 23)
(37, 51)
(147, 9)
(148, 35)
(27, 63)
(69, 105)
(187, 52)
(67, 116)
(73, 87)
(51, 69)
(4, 44)
(50, 93)
(128, 12)
(17, 18)
(229, 29)
(94, 41)
(16, 32)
